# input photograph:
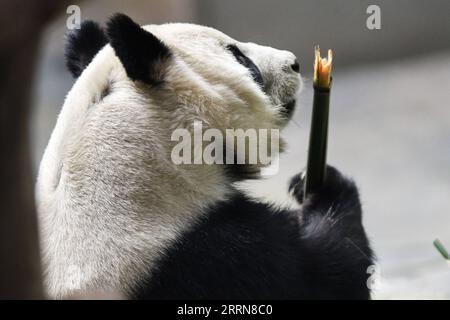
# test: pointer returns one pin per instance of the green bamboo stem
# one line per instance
(318, 137)
(318, 140)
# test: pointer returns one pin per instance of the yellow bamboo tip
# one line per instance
(322, 69)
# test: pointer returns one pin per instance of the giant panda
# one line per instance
(117, 215)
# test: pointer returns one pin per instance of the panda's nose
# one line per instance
(295, 66)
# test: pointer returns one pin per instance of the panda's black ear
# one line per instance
(82, 45)
(142, 54)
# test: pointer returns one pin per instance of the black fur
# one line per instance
(288, 108)
(141, 53)
(82, 45)
(246, 250)
(296, 66)
(248, 63)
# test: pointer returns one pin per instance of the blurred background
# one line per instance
(390, 111)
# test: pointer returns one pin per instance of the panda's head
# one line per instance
(187, 72)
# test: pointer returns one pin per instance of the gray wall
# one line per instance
(408, 27)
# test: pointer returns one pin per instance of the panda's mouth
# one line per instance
(288, 108)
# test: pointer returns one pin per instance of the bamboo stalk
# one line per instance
(318, 138)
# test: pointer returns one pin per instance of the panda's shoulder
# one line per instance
(228, 245)
(241, 214)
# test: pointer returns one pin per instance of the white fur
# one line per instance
(109, 197)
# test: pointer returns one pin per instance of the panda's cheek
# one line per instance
(269, 84)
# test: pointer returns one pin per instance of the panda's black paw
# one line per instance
(337, 189)
(297, 186)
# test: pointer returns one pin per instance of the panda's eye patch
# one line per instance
(248, 63)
